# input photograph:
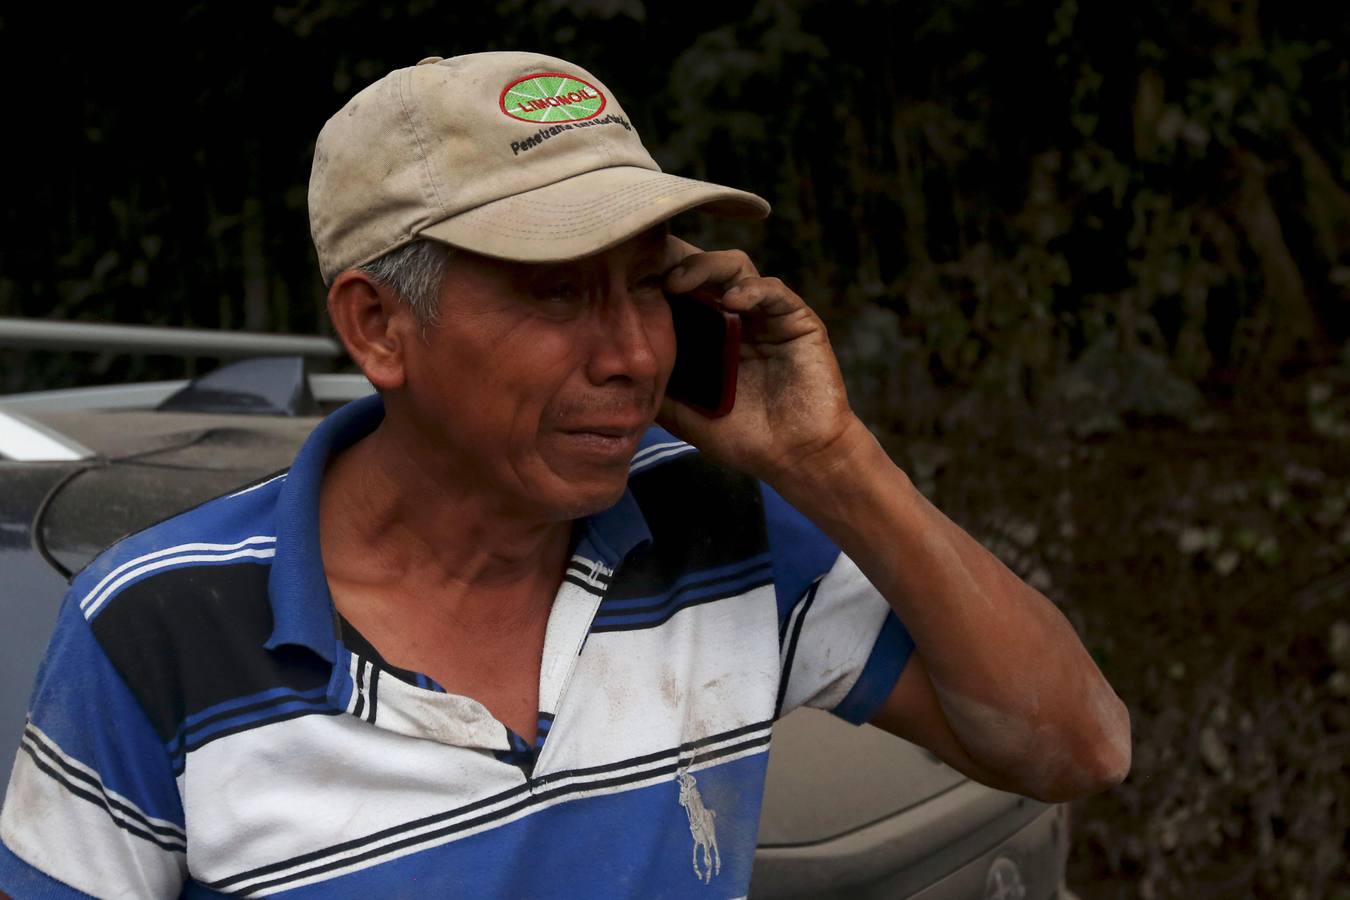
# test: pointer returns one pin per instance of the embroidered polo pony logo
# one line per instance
(702, 827)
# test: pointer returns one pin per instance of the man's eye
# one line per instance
(652, 282)
(558, 293)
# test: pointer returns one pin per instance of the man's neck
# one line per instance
(389, 517)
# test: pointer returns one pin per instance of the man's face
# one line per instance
(538, 380)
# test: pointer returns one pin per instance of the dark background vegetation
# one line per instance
(1087, 267)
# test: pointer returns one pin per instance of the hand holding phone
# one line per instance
(707, 352)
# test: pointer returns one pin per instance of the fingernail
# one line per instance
(677, 272)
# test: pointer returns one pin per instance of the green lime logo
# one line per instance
(551, 97)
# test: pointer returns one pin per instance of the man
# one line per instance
(491, 633)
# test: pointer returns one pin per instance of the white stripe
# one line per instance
(93, 607)
(641, 692)
(117, 814)
(453, 718)
(372, 690)
(653, 460)
(74, 841)
(630, 694)
(582, 575)
(568, 624)
(261, 484)
(654, 448)
(658, 776)
(354, 664)
(837, 638)
(245, 815)
(168, 551)
(50, 748)
(594, 565)
(797, 612)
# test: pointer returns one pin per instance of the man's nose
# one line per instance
(622, 341)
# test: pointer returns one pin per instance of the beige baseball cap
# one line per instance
(517, 156)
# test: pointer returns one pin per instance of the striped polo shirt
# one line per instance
(204, 724)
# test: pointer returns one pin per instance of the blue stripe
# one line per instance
(342, 678)
(239, 702)
(256, 717)
(109, 600)
(23, 881)
(616, 607)
(219, 521)
(660, 457)
(541, 730)
(191, 730)
(672, 604)
(801, 551)
(879, 675)
(632, 842)
(124, 749)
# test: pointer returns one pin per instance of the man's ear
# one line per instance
(374, 325)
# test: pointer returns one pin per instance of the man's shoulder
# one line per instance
(712, 516)
(238, 527)
(181, 610)
(670, 477)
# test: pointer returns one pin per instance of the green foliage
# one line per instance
(1016, 184)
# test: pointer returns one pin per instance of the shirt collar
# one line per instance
(302, 608)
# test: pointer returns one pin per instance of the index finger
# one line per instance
(723, 267)
(678, 248)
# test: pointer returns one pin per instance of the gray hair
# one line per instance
(414, 272)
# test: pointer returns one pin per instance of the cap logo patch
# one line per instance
(551, 97)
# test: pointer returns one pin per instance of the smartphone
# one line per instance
(707, 353)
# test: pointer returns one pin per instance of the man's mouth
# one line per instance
(614, 431)
(612, 442)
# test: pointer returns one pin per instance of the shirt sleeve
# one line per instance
(841, 647)
(92, 806)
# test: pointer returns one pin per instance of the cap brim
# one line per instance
(587, 213)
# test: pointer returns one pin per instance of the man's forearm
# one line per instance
(1016, 685)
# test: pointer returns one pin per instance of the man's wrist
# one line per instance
(833, 484)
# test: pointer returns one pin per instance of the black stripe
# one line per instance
(533, 800)
(582, 572)
(100, 801)
(357, 644)
(783, 625)
(701, 517)
(360, 687)
(546, 717)
(765, 566)
(186, 735)
(654, 623)
(186, 640)
(543, 781)
(792, 647)
(652, 757)
(374, 692)
(54, 757)
(584, 585)
(181, 762)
